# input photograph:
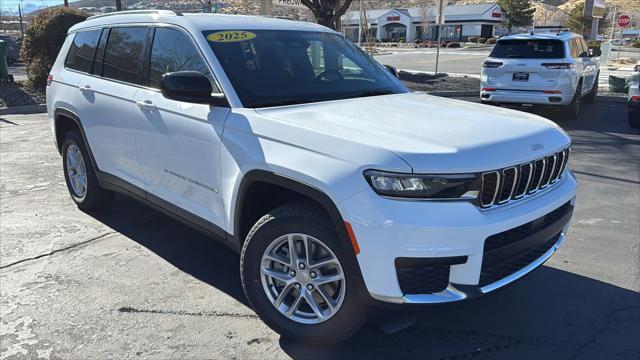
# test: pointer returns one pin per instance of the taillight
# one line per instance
(635, 98)
(557, 65)
(491, 64)
(49, 80)
(488, 89)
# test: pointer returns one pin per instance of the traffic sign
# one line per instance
(624, 20)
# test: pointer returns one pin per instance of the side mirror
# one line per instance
(393, 70)
(595, 52)
(191, 87)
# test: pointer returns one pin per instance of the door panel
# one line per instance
(179, 150)
(104, 108)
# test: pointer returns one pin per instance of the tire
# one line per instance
(591, 97)
(308, 225)
(572, 111)
(74, 157)
(634, 119)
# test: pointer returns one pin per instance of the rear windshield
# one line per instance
(532, 49)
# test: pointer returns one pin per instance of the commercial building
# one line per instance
(409, 24)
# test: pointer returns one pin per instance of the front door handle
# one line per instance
(146, 105)
(85, 88)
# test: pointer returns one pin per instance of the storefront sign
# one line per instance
(289, 3)
(393, 18)
(496, 14)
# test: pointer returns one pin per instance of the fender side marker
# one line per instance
(352, 237)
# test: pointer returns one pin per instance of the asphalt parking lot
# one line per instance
(131, 283)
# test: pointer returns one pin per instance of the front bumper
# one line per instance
(390, 229)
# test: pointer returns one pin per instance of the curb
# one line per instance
(24, 110)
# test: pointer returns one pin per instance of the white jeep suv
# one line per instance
(339, 188)
(556, 70)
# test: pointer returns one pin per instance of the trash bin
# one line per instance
(4, 71)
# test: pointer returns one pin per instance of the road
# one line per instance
(130, 283)
(463, 61)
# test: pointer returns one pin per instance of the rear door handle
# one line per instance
(146, 105)
(85, 88)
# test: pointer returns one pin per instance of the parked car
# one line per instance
(339, 188)
(13, 47)
(554, 70)
(634, 98)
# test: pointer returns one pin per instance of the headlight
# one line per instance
(437, 186)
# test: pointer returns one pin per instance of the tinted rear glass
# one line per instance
(123, 56)
(80, 56)
(531, 49)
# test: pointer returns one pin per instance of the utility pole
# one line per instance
(613, 20)
(440, 20)
(360, 24)
(118, 5)
(66, 3)
(266, 7)
(20, 13)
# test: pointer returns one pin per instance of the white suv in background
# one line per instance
(555, 70)
(339, 188)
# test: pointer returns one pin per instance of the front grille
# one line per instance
(509, 251)
(425, 275)
(512, 183)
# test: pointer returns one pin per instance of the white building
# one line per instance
(409, 24)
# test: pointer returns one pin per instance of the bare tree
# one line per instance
(327, 12)
(118, 5)
(206, 5)
(426, 17)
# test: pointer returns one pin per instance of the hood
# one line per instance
(432, 134)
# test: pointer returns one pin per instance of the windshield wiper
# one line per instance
(367, 93)
(283, 102)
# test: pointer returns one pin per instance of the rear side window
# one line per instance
(173, 51)
(123, 54)
(528, 49)
(82, 50)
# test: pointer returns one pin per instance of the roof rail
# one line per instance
(136, 12)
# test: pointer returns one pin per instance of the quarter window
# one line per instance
(124, 52)
(173, 51)
(82, 50)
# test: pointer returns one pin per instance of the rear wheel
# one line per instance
(296, 277)
(591, 97)
(80, 176)
(572, 111)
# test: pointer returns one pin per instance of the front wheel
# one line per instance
(296, 277)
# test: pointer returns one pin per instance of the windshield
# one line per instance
(531, 49)
(276, 67)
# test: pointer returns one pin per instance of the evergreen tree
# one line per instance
(518, 12)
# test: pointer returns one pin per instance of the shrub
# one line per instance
(482, 40)
(43, 40)
(492, 40)
(473, 39)
(453, 45)
(636, 43)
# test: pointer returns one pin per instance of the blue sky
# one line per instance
(29, 5)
